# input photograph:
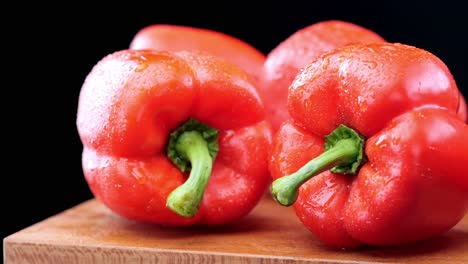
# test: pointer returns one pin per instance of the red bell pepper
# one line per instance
(284, 62)
(173, 138)
(375, 153)
(177, 38)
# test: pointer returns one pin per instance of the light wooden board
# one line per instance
(90, 233)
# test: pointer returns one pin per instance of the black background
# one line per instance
(51, 51)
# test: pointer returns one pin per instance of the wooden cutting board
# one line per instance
(90, 233)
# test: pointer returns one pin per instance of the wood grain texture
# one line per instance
(90, 233)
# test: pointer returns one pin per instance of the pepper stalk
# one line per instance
(344, 152)
(192, 147)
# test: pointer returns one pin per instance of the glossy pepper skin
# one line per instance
(285, 61)
(131, 104)
(167, 37)
(410, 184)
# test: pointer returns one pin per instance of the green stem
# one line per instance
(185, 199)
(193, 146)
(344, 151)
